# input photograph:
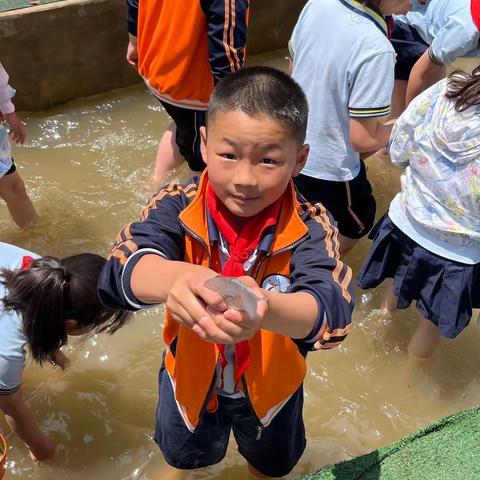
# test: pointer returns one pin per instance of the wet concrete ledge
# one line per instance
(75, 48)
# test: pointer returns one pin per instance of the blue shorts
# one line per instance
(351, 203)
(187, 138)
(6, 161)
(409, 47)
(273, 450)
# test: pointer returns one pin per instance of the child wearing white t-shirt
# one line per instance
(344, 62)
(12, 188)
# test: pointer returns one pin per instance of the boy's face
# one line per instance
(250, 160)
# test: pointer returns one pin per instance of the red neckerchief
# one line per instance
(241, 244)
(390, 24)
(475, 10)
(27, 263)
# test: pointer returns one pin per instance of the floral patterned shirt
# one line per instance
(440, 196)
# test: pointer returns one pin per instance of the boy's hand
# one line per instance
(235, 324)
(17, 133)
(190, 302)
(132, 53)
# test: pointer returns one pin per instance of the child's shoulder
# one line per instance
(191, 183)
(171, 200)
(448, 15)
(184, 191)
(315, 217)
(443, 8)
(11, 256)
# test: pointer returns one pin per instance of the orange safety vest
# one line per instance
(173, 47)
(166, 31)
(276, 368)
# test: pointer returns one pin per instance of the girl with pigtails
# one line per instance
(42, 301)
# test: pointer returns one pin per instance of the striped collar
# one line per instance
(369, 11)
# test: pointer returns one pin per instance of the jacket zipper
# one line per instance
(212, 385)
(260, 426)
(199, 239)
(205, 403)
(283, 250)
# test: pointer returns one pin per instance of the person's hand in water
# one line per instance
(44, 450)
(21, 420)
(17, 130)
(59, 359)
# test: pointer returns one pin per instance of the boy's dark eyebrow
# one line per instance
(262, 146)
(230, 142)
(268, 146)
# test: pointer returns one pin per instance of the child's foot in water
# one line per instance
(417, 379)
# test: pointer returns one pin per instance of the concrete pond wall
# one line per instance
(75, 48)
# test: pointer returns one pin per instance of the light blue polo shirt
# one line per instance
(418, 7)
(345, 63)
(12, 339)
(447, 26)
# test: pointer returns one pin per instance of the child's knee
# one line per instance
(12, 187)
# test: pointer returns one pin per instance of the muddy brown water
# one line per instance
(86, 166)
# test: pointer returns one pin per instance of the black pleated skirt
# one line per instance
(445, 291)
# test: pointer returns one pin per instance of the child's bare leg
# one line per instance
(346, 244)
(158, 469)
(424, 340)
(389, 302)
(12, 190)
(169, 473)
(168, 155)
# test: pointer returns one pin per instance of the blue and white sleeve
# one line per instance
(372, 86)
(455, 39)
(6, 93)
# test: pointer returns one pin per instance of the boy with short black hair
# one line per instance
(223, 368)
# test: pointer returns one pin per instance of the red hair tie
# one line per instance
(475, 10)
(27, 263)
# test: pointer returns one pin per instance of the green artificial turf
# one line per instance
(15, 4)
(445, 450)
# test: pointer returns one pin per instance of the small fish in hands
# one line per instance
(235, 294)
